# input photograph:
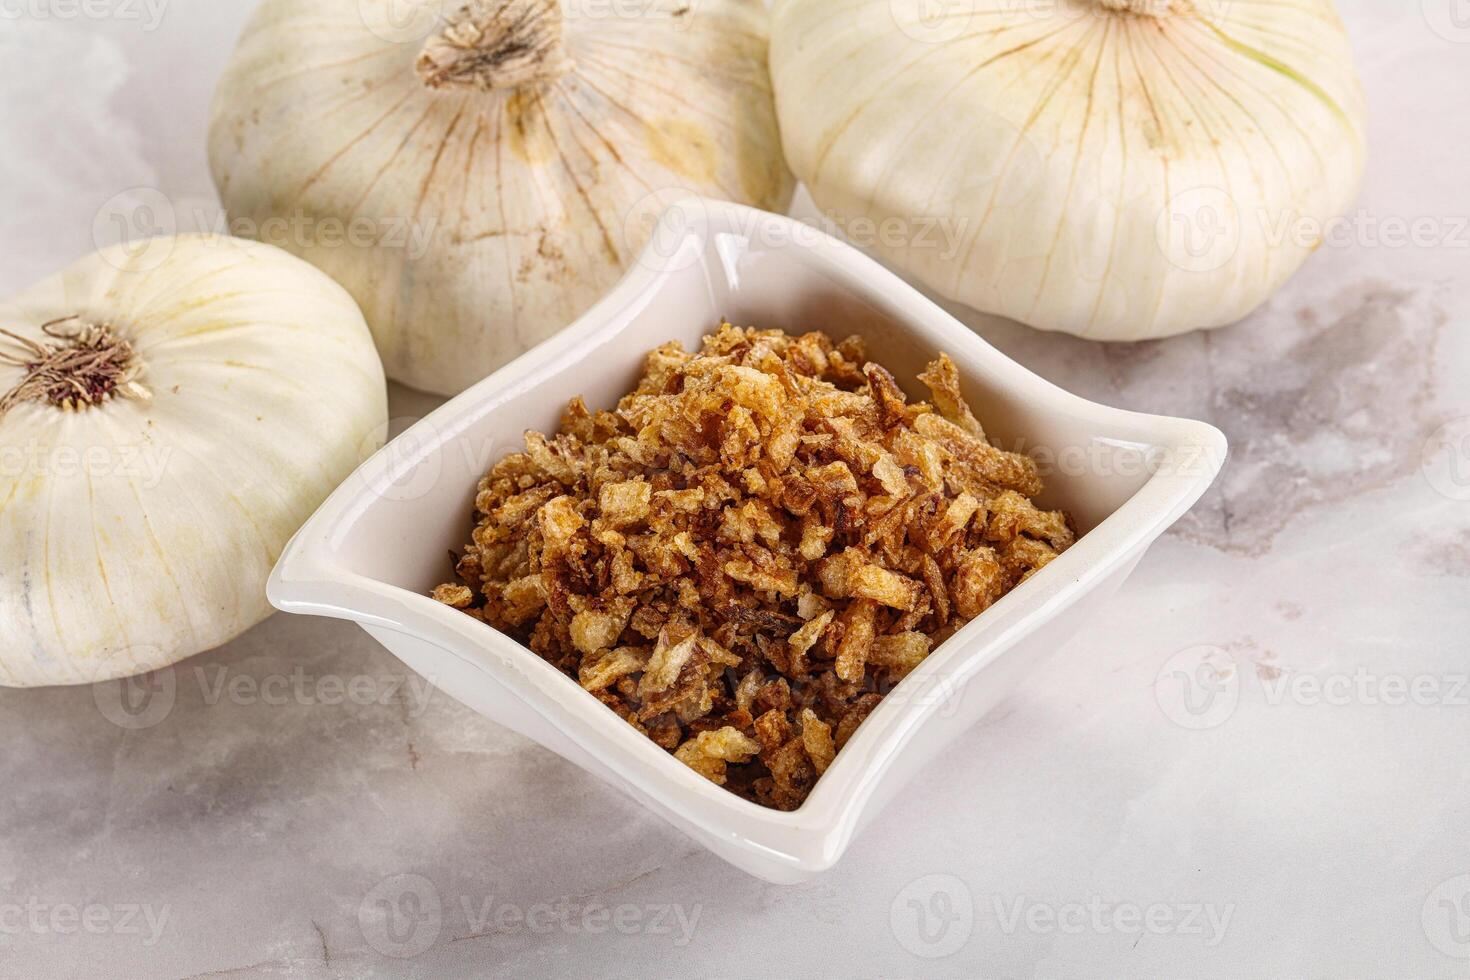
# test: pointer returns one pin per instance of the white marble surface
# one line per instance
(1316, 822)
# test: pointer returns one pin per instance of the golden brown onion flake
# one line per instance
(758, 543)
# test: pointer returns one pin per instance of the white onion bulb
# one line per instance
(1117, 169)
(502, 161)
(169, 416)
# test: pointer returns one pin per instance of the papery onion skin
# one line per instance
(1104, 172)
(512, 209)
(141, 530)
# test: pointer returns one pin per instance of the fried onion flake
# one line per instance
(757, 544)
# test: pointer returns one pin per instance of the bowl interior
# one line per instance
(421, 509)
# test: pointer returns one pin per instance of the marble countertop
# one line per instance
(1314, 822)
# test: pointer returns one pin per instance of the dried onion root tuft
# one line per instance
(88, 364)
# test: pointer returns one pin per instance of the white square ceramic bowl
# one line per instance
(380, 543)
